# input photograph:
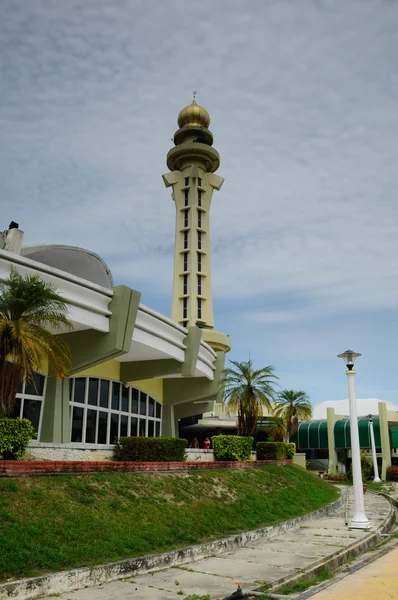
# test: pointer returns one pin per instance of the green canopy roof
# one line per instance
(313, 435)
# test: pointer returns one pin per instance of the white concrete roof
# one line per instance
(365, 406)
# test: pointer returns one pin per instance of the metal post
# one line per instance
(359, 520)
(374, 457)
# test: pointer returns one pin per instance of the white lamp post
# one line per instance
(374, 457)
(359, 520)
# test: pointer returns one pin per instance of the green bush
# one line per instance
(142, 449)
(14, 437)
(290, 449)
(366, 467)
(275, 450)
(232, 447)
(392, 473)
(336, 477)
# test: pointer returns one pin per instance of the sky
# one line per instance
(302, 97)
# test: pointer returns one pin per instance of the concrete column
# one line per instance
(169, 422)
(55, 425)
(331, 418)
(385, 439)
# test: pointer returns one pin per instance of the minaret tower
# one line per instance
(192, 163)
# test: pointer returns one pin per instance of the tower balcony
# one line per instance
(193, 152)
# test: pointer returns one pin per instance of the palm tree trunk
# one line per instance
(10, 376)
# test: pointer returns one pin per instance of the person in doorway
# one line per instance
(206, 444)
(195, 443)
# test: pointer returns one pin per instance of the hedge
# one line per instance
(143, 449)
(14, 437)
(366, 468)
(232, 447)
(392, 473)
(275, 450)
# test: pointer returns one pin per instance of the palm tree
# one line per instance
(31, 313)
(292, 406)
(247, 391)
(277, 429)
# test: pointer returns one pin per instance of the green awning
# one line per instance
(342, 434)
(313, 435)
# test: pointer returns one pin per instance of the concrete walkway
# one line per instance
(266, 561)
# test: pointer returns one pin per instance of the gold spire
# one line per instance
(193, 115)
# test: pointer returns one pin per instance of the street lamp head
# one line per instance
(370, 418)
(349, 358)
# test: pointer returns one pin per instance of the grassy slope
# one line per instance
(61, 522)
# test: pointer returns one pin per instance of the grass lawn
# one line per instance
(60, 522)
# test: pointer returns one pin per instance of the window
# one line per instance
(29, 401)
(200, 285)
(185, 308)
(199, 308)
(109, 409)
(199, 181)
(185, 261)
(186, 197)
(186, 181)
(185, 240)
(185, 285)
(199, 197)
(199, 240)
(199, 262)
(185, 218)
(199, 218)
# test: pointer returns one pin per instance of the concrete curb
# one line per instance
(75, 579)
(336, 560)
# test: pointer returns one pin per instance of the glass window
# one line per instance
(199, 308)
(185, 262)
(134, 402)
(115, 395)
(114, 428)
(185, 218)
(142, 427)
(185, 308)
(36, 386)
(199, 218)
(186, 181)
(20, 386)
(104, 395)
(125, 399)
(102, 426)
(157, 429)
(185, 240)
(17, 408)
(151, 407)
(185, 285)
(91, 426)
(199, 181)
(143, 403)
(134, 426)
(186, 197)
(92, 391)
(199, 197)
(199, 240)
(200, 285)
(199, 262)
(80, 388)
(151, 428)
(31, 411)
(124, 420)
(77, 424)
(158, 410)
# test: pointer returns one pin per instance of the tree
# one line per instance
(292, 406)
(277, 429)
(247, 391)
(31, 313)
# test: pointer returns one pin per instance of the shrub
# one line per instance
(392, 473)
(232, 447)
(336, 477)
(366, 467)
(290, 449)
(275, 450)
(142, 449)
(14, 437)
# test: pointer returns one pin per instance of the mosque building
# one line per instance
(134, 371)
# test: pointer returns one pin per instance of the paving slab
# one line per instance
(266, 560)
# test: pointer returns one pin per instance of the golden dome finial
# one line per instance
(193, 115)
